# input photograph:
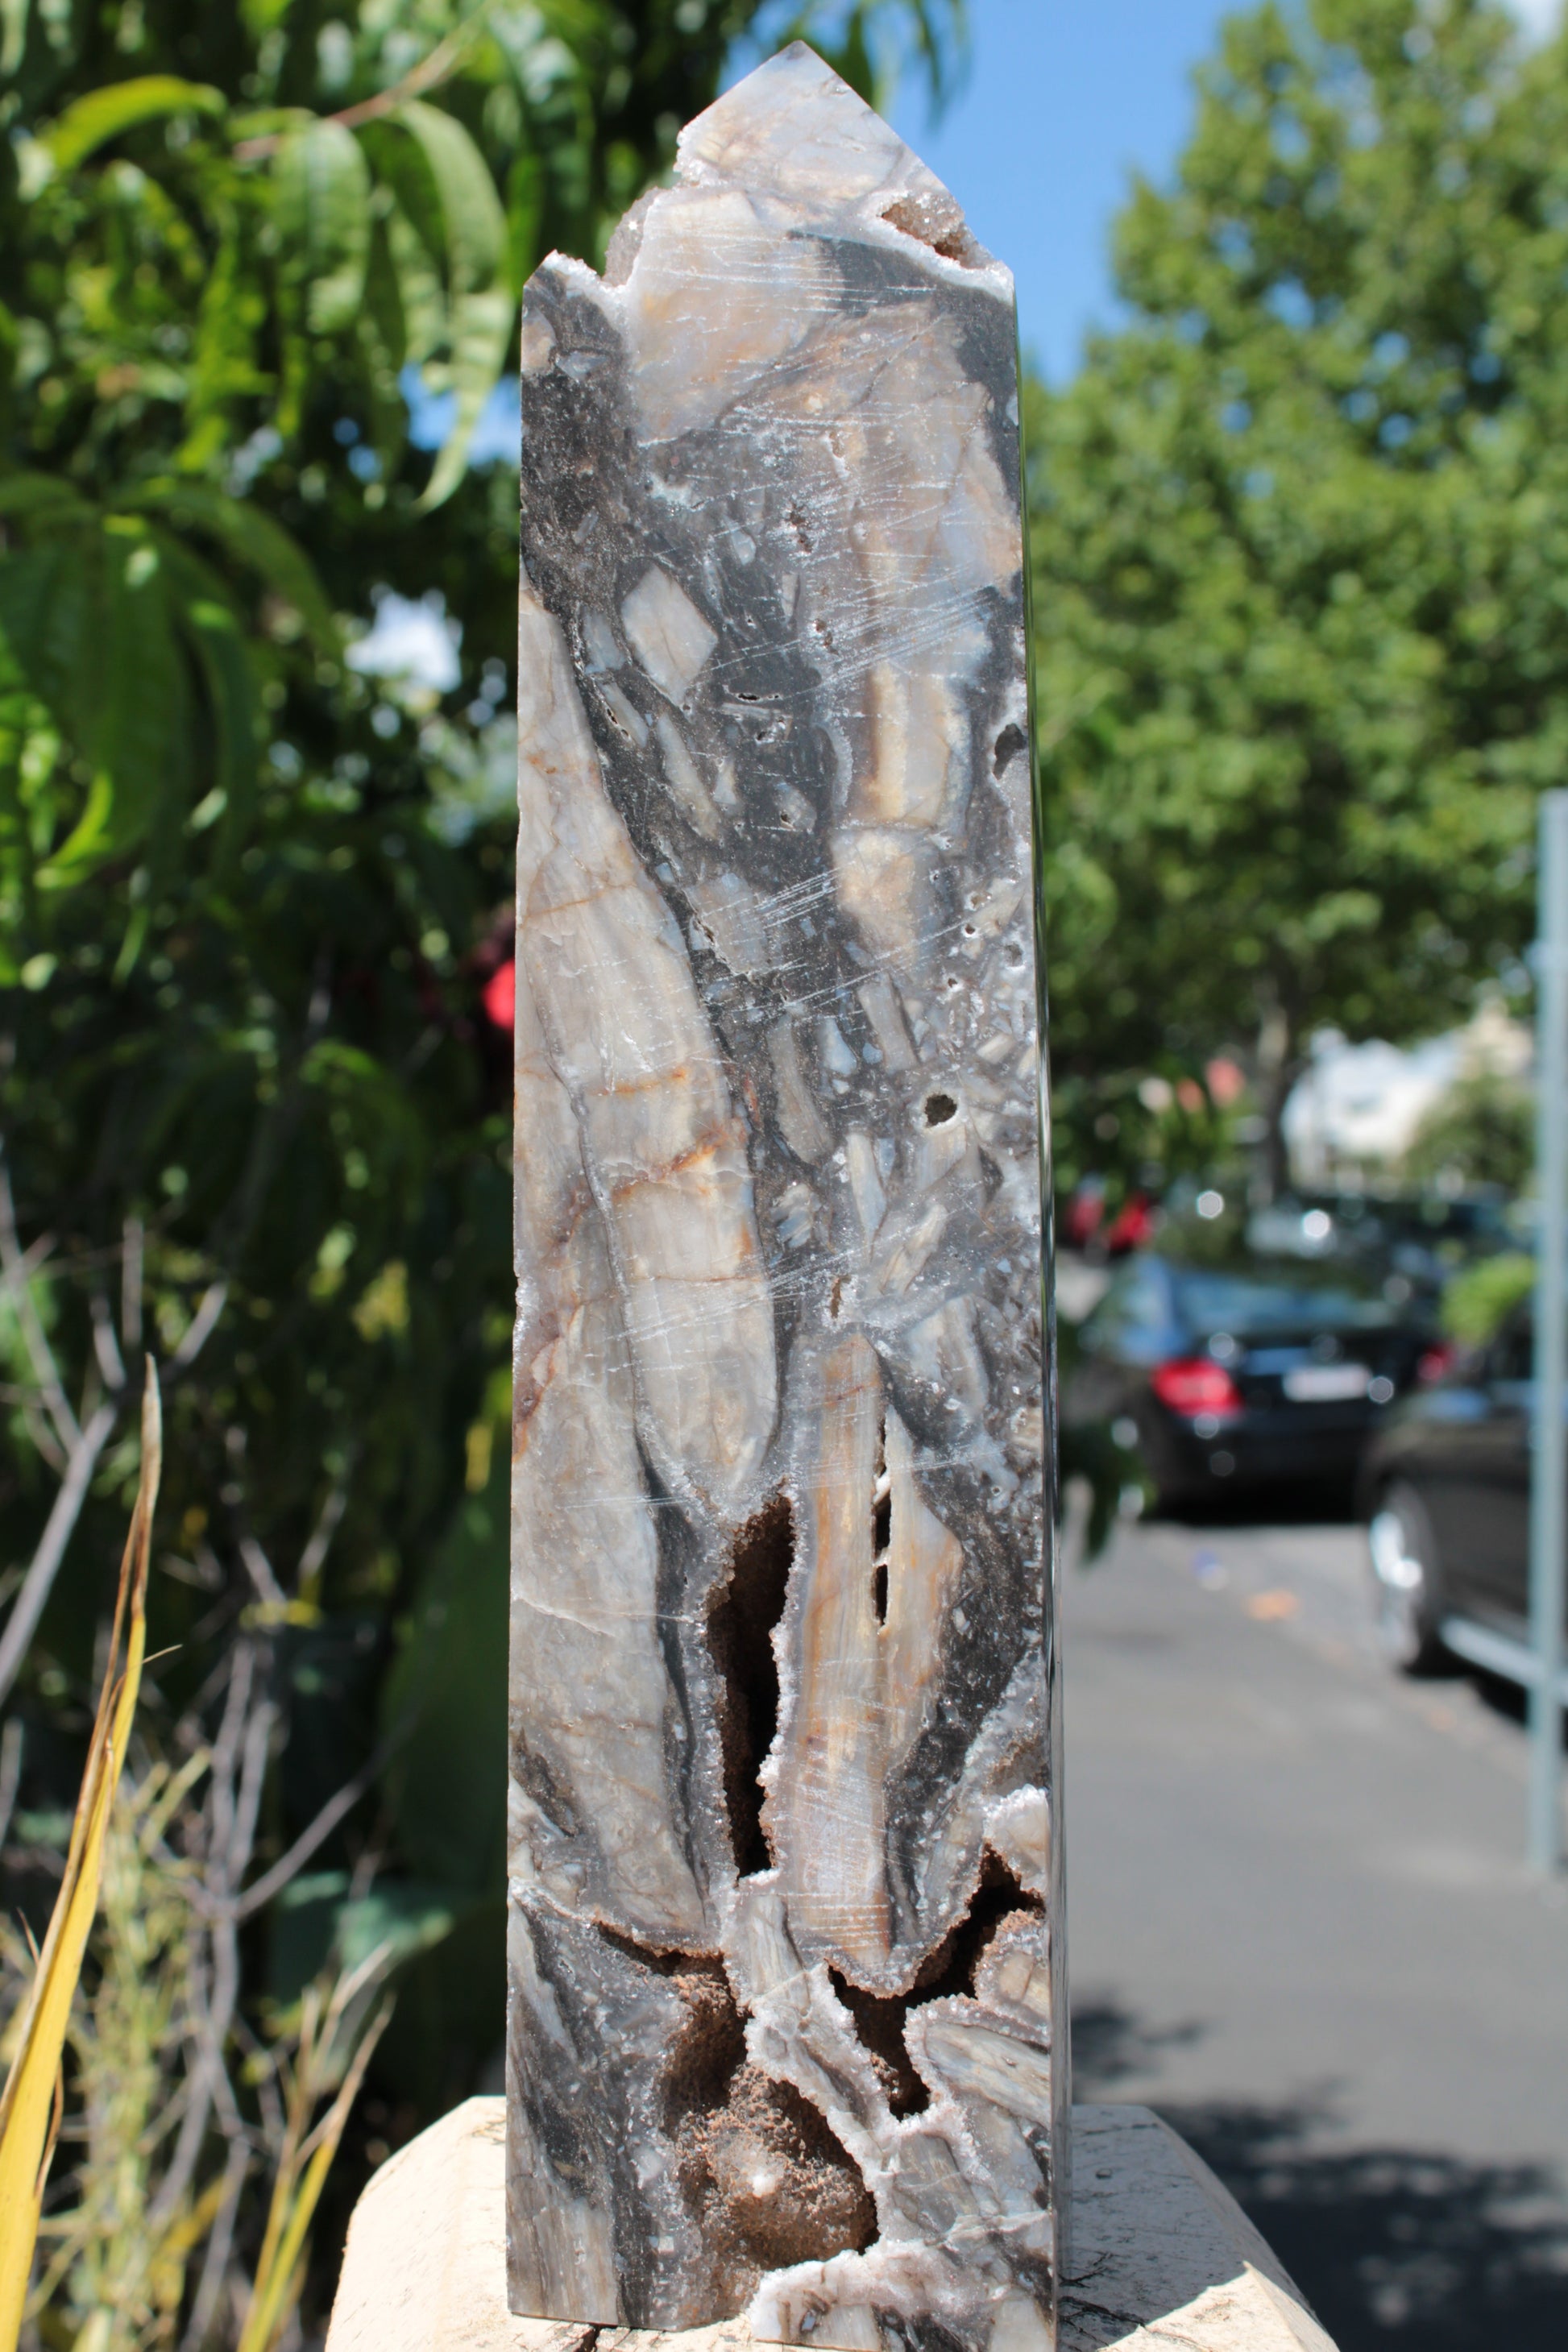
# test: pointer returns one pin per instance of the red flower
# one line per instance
(499, 999)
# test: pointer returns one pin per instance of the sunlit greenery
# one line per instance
(259, 267)
(1300, 536)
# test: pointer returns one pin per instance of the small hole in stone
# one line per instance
(1008, 744)
(939, 1110)
(881, 1526)
(741, 1620)
(835, 1297)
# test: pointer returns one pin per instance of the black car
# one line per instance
(1446, 1494)
(1422, 1239)
(1247, 1371)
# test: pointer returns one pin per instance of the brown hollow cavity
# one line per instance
(741, 1618)
(880, 2018)
(769, 2184)
(766, 2181)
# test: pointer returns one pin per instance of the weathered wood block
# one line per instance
(786, 1950)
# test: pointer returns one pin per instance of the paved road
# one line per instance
(1300, 1927)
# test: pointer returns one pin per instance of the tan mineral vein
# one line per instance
(786, 1936)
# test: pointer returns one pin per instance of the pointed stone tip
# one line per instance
(793, 130)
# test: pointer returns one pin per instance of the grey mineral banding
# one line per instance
(786, 1953)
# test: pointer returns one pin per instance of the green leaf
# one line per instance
(212, 630)
(383, 320)
(322, 190)
(473, 223)
(103, 114)
(418, 287)
(45, 598)
(255, 539)
(482, 303)
(41, 499)
(13, 17)
(482, 329)
(142, 738)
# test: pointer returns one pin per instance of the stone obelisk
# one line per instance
(787, 2035)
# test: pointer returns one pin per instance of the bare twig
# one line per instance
(39, 1581)
(313, 1558)
(106, 1346)
(130, 1264)
(42, 1435)
(226, 1748)
(259, 1568)
(252, 1777)
(237, 1770)
(272, 1882)
(201, 1327)
(10, 1773)
(442, 61)
(219, 2245)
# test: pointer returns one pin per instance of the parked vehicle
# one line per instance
(1247, 1370)
(1425, 1239)
(1444, 1491)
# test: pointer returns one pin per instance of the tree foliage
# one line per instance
(1300, 539)
(249, 891)
(260, 268)
(1480, 1130)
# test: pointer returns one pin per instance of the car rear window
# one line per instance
(1242, 1303)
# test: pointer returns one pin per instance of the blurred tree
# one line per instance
(259, 267)
(1300, 535)
(1480, 1130)
(1480, 1298)
(252, 878)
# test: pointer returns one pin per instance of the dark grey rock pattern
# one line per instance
(786, 1934)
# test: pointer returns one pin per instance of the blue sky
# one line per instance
(1064, 101)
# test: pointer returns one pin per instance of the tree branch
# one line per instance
(431, 71)
(38, 1583)
(272, 1882)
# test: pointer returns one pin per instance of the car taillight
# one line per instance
(1193, 1384)
(1434, 1362)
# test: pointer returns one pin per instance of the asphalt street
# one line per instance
(1301, 1926)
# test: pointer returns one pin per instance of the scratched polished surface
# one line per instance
(783, 1926)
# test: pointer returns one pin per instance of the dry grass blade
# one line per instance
(29, 2108)
(302, 2174)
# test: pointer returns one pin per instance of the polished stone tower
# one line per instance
(786, 1938)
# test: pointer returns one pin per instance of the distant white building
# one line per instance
(1350, 1118)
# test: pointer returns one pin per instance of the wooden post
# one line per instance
(787, 2028)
